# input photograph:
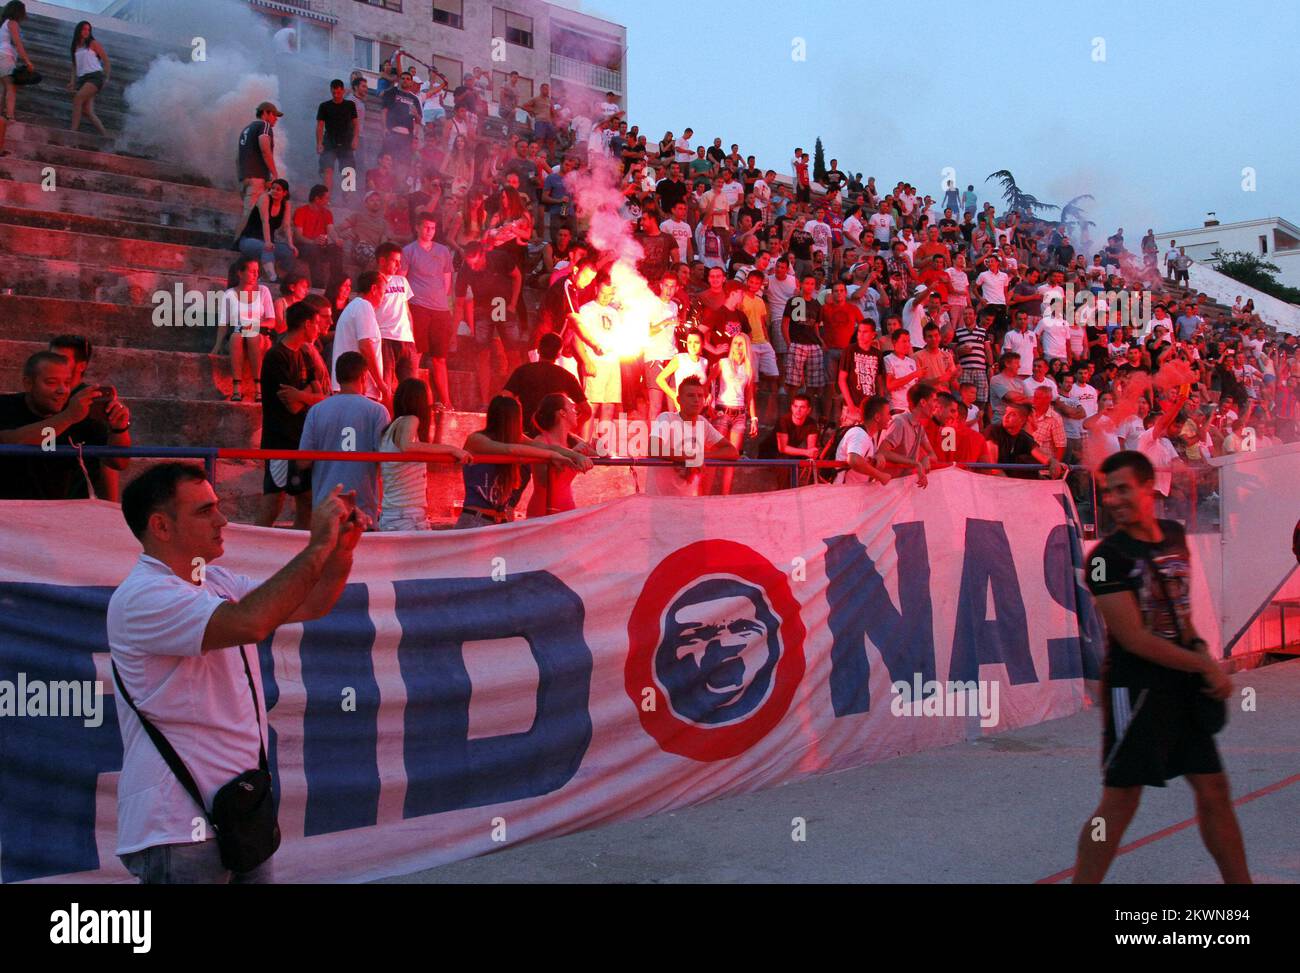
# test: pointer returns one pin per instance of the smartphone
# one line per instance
(99, 408)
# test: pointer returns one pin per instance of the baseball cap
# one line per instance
(268, 106)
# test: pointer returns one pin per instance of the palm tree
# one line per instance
(1018, 201)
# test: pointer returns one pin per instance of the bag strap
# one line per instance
(169, 753)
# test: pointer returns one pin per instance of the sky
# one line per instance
(1153, 107)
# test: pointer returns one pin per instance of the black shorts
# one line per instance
(337, 157)
(1151, 736)
(280, 477)
(95, 77)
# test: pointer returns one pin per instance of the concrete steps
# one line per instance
(111, 251)
(122, 230)
(48, 153)
(175, 211)
(119, 184)
(28, 318)
(45, 277)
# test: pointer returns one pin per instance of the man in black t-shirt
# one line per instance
(1008, 442)
(46, 410)
(293, 380)
(533, 381)
(861, 369)
(95, 429)
(336, 133)
(487, 289)
(1158, 679)
(801, 326)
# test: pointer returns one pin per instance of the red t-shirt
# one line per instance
(968, 444)
(840, 323)
(312, 222)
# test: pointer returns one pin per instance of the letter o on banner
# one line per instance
(717, 634)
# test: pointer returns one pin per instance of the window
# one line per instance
(1263, 244)
(515, 28)
(363, 53)
(386, 4)
(453, 71)
(370, 54)
(449, 13)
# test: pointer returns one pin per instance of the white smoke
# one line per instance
(190, 111)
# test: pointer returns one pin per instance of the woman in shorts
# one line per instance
(11, 52)
(90, 71)
(248, 308)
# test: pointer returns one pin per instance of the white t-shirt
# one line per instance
(246, 312)
(899, 368)
(821, 235)
(1162, 454)
(679, 231)
(856, 440)
(1032, 384)
(357, 323)
(394, 314)
(200, 701)
(682, 150)
(779, 293)
(993, 287)
(1024, 344)
(881, 224)
(1086, 396)
(671, 430)
(853, 228)
(1054, 335)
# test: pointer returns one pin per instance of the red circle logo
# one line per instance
(717, 637)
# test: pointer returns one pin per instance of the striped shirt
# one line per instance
(971, 343)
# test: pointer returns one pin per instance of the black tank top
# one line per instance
(253, 228)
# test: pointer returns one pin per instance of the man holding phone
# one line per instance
(183, 635)
(49, 411)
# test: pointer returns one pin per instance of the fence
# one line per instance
(1193, 497)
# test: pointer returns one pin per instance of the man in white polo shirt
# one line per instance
(183, 637)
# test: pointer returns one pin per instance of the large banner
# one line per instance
(475, 689)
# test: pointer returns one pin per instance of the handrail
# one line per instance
(210, 454)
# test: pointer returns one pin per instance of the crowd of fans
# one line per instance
(820, 316)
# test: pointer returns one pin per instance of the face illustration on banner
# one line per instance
(721, 643)
(716, 636)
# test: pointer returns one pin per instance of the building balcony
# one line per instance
(592, 75)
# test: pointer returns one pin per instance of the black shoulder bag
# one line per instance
(243, 810)
(1209, 714)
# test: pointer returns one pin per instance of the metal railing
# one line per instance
(592, 75)
(1193, 499)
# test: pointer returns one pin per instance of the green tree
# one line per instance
(1254, 271)
(819, 161)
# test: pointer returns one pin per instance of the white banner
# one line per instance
(475, 689)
